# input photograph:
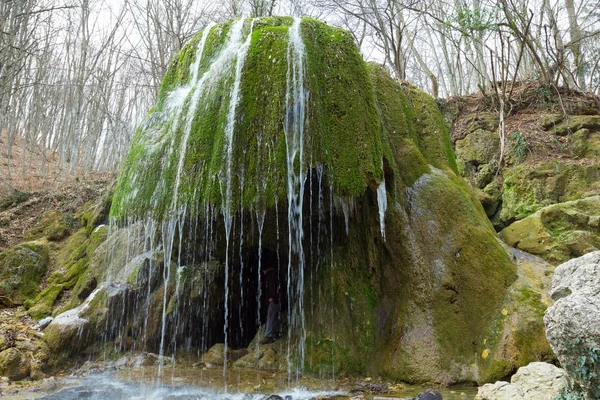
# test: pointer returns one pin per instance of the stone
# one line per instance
(479, 147)
(538, 380)
(21, 269)
(429, 394)
(573, 321)
(71, 331)
(520, 337)
(529, 187)
(558, 232)
(43, 323)
(215, 355)
(14, 364)
(579, 144)
(574, 123)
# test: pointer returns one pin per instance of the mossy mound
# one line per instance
(342, 129)
(558, 232)
(414, 305)
(21, 269)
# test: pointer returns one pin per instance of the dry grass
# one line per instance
(33, 173)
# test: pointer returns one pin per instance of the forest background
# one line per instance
(77, 76)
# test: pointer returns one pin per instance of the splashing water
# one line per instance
(382, 205)
(294, 134)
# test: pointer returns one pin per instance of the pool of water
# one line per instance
(183, 383)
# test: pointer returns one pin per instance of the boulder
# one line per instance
(21, 269)
(573, 321)
(72, 331)
(531, 186)
(14, 364)
(52, 225)
(558, 232)
(538, 380)
(480, 147)
(520, 338)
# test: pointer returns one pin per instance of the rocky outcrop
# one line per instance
(558, 232)
(573, 321)
(550, 152)
(538, 380)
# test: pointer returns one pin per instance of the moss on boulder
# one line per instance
(52, 225)
(558, 232)
(529, 187)
(14, 365)
(21, 269)
(480, 147)
(518, 337)
(416, 306)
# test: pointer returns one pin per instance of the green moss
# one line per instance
(430, 130)
(558, 232)
(342, 129)
(52, 225)
(497, 370)
(531, 186)
(44, 302)
(21, 269)
(472, 287)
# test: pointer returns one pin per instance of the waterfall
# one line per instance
(295, 99)
(216, 79)
(242, 50)
(382, 205)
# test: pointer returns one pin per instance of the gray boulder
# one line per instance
(573, 321)
(538, 380)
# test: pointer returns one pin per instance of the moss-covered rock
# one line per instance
(570, 124)
(416, 305)
(529, 187)
(14, 365)
(21, 269)
(558, 232)
(480, 147)
(52, 225)
(519, 336)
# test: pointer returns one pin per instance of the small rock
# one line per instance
(5, 379)
(429, 394)
(43, 323)
(274, 397)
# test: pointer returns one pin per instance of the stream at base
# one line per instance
(187, 383)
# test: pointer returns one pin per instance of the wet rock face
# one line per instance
(573, 321)
(538, 380)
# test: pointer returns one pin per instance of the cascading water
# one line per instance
(213, 233)
(229, 129)
(295, 98)
(382, 206)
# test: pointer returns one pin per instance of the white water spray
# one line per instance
(382, 205)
